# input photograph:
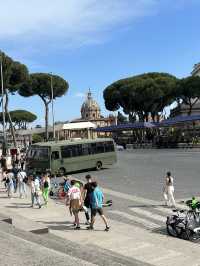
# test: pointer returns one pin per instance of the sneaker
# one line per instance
(107, 228)
(90, 227)
(87, 223)
(77, 228)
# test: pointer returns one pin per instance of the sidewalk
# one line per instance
(126, 240)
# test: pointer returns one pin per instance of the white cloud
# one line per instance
(69, 22)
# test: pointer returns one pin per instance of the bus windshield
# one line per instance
(38, 153)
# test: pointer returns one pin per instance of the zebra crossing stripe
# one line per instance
(148, 224)
(164, 210)
(149, 214)
(131, 197)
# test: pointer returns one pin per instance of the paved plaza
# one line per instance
(141, 172)
(137, 217)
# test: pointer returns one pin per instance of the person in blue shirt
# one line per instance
(96, 201)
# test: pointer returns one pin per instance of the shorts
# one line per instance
(95, 211)
(74, 211)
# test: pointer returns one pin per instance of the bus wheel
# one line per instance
(62, 171)
(98, 166)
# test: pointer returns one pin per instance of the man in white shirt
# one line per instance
(75, 201)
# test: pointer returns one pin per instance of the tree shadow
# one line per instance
(147, 206)
(21, 204)
(16, 207)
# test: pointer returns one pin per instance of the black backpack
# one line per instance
(46, 184)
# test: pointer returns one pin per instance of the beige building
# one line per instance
(83, 127)
(91, 112)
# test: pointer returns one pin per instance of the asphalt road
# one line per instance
(141, 173)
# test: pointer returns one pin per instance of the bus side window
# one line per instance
(55, 155)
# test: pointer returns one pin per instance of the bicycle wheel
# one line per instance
(171, 230)
(192, 236)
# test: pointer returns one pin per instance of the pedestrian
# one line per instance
(46, 188)
(15, 172)
(3, 163)
(87, 190)
(35, 191)
(66, 185)
(22, 181)
(97, 206)
(10, 183)
(168, 190)
(75, 202)
(22, 162)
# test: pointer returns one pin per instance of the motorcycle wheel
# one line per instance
(192, 236)
(171, 230)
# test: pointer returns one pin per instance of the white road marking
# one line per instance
(165, 210)
(146, 223)
(149, 214)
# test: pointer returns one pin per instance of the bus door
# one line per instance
(55, 161)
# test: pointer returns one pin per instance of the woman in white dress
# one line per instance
(168, 191)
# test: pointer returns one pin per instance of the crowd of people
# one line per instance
(78, 197)
(88, 198)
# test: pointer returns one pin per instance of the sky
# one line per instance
(92, 43)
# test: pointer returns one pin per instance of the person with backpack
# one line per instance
(66, 184)
(168, 190)
(22, 181)
(46, 188)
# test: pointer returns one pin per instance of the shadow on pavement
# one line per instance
(146, 206)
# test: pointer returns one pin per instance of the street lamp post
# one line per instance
(52, 107)
(3, 110)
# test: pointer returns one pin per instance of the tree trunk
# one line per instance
(46, 121)
(190, 109)
(10, 120)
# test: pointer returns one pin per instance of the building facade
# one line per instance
(183, 109)
(91, 112)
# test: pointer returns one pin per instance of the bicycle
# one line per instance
(185, 226)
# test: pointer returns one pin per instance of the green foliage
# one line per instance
(40, 84)
(14, 73)
(19, 118)
(188, 90)
(37, 138)
(144, 95)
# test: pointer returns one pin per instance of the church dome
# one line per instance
(90, 108)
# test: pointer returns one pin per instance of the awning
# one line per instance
(127, 126)
(179, 120)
